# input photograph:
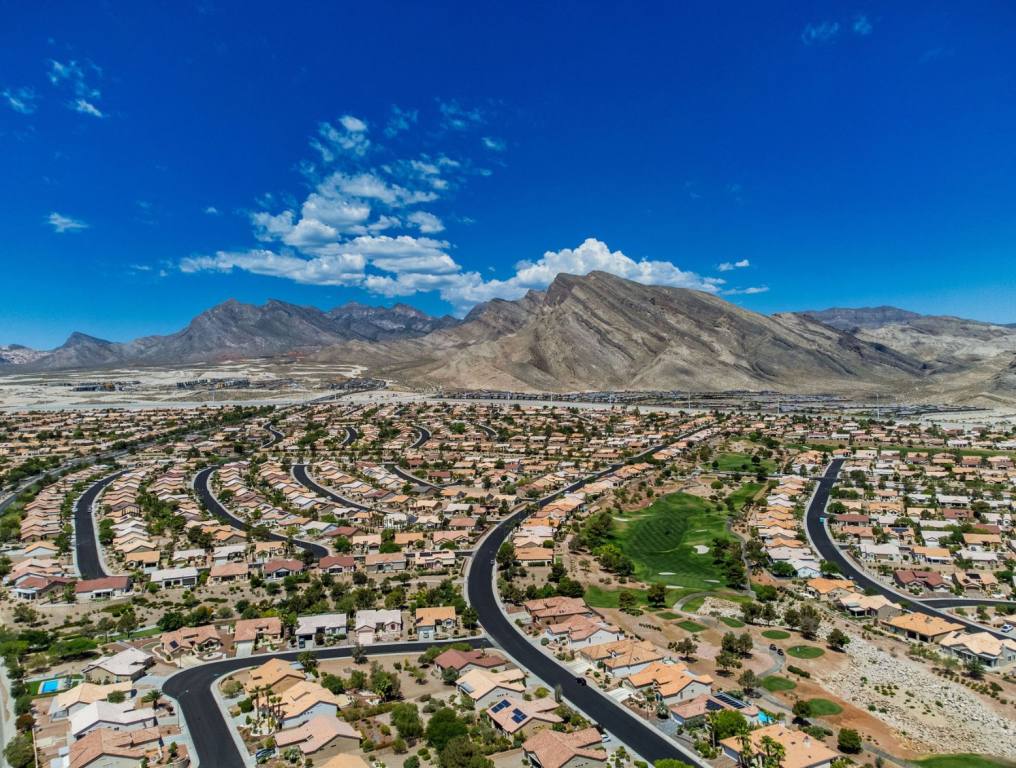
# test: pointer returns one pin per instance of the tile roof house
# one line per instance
(514, 715)
(321, 736)
(552, 749)
(128, 664)
(800, 749)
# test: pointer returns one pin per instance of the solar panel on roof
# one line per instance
(518, 716)
(500, 705)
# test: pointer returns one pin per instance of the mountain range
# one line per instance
(594, 332)
(233, 331)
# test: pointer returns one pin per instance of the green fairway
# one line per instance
(775, 683)
(598, 597)
(731, 622)
(824, 707)
(690, 626)
(741, 462)
(667, 615)
(744, 493)
(662, 542)
(963, 761)
(805, 652)
(775, 634)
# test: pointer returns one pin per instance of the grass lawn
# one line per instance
(775, 634)
(741, 462)
(745, 492)
(963, 761)
(662, 541)
(597, 597)
(775, 683)
(667, 615)
(690, 626)
(732, 622)
(805, 652)
(824, 707)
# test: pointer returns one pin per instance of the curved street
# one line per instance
(202, 486)
(423, 438)
(86, 544)
(627, 727)
(823, 542)
(302, 476)
(209, 731)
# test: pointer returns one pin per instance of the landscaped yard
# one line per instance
(671, 541)
(732, 622)
(824, 707)
(690, 626)
(775, 683)
(667, 615)
(775, 634)
(805, 652)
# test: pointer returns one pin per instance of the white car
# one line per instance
(1007, 628)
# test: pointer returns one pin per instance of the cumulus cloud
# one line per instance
(367, 221)
(211, 210)
(728, 266)
(862, 25)
(820, 33)
(427, 223)
(400, 120)
(495, 145)
(61, 223)
(21, 100)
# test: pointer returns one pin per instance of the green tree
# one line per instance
(849, 741)
(838, 639)
(657, 594)
(443, 726)
(406, 719)
(726, 723)
(20, 752)
(463, 752)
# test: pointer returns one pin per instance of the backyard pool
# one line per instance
(50, 686)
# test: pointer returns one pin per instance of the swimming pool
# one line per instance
(50, 686)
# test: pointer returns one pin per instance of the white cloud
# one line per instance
(86, 108)
(400, 120)
(75, 76)
(456, 117)
(347, 137)
(21, 100)
(329, 269)
(61, 223)
(353, 124)
(427, 223)
(496, 145)
(862, 26)
(727, 266)
(211, 210)
(746, 291)
(822, 32)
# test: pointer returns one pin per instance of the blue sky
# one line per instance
(159, 159)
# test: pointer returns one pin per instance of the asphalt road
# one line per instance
(276, 436)
(631, 730)
(302, 476)
(489, 430)
(202, 486)
(827, 548)
(351, 436)
(423, 438)
(192, 689)
(411, 478)
(85, 544)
